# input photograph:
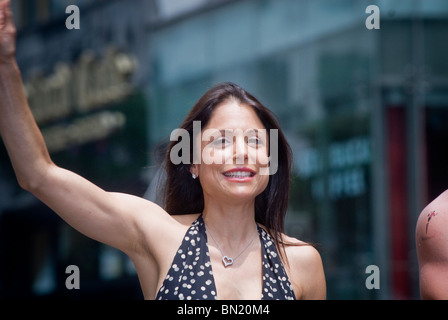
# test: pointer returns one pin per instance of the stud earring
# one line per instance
(194, 176)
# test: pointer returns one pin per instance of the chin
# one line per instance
(243, 193)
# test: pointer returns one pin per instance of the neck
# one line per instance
(231, 225)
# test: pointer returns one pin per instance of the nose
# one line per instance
(240, 150)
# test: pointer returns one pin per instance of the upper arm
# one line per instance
(307, 272)
(432, 250)
(111, 218)
(434, 281)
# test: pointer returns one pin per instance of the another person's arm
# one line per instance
(432, 249)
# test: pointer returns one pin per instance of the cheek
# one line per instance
(210, 179)
(263, 181)
(206, 173)
(259, 156)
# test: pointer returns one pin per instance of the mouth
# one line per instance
(239, 174)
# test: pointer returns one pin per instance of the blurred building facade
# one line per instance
(365, 111)
(85, 88)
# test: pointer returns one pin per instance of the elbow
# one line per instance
(33, 182)
(29, 184)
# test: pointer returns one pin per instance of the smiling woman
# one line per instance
(229, 107)
(230, 200)
(228, 187)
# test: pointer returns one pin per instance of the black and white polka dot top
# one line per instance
(191, 277)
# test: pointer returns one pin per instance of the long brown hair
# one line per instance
(184, 195)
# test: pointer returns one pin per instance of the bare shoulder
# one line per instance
(432, 248)
(433, 221)
(305, 269)
(302, 254)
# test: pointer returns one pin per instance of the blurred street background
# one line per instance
(364, 109)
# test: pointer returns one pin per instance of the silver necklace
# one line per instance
(226, 260)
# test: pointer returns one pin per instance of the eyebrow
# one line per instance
(230, 131)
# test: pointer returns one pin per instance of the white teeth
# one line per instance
(238, 174)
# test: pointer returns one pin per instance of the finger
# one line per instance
(2, 14)
(7, 11)
(8, 16)
(5, 3)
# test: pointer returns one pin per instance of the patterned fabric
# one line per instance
(191, 277)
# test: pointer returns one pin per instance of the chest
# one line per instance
(197, 272)
(243, 280)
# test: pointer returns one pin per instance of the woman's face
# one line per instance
(234, 149)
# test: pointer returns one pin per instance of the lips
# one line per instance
(240, 174)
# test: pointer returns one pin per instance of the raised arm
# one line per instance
(20, 133)
(432, 249)
(112, 218)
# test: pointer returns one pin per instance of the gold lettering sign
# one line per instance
(72, 92)
(82, 130)
(90, 84)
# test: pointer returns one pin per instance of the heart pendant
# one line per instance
(227, 261)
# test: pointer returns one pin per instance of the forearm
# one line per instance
(21, 135)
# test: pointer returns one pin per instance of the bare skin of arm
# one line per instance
(126, 222)
(432, 249)
(138, 227)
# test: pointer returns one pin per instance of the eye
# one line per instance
(254, 141)
(221, 142)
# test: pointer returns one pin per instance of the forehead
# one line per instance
(233, 115)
